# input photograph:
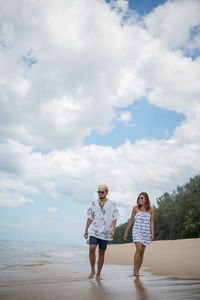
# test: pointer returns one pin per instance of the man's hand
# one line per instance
(86, 235)
(112, 233)
(89, 221)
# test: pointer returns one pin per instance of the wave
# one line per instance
(57, 254)
(24, 265)
(69, 253)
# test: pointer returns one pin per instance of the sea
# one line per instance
(36, 271)
(18, 254)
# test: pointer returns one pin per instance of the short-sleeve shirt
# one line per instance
(102, 218)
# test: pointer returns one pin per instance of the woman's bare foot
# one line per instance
(98, 277)
(91, 275)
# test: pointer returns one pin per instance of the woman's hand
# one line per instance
(125, 236)
(152, 236)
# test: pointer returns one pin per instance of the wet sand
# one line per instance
(66, 277)
(64, 282)
(168, 258)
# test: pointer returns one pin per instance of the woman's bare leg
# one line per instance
(138, 258)
(141, 256)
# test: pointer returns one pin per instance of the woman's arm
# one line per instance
(130, 222)
(152, 223)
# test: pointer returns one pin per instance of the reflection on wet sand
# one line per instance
(98, 291)
(141, 290)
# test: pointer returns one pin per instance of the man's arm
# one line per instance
(114, 222)
(89, 221)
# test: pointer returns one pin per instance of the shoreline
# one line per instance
(42, 272)
(163, 258)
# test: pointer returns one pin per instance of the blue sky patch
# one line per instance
(148, 122)
(28, 60)
(42, 150)
(143, 6)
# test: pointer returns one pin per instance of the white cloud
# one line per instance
(87, 64)
(120, 5)
(84, 65)
(12, 199)
(173, 22)
(52, 209)
(125, 117)
(152, 166)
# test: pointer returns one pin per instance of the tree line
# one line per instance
(177, 216)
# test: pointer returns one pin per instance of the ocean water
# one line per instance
(39, 271)
(16, 254)
(27, 263)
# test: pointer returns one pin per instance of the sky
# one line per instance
(94, 92)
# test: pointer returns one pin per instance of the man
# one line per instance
(102, 216)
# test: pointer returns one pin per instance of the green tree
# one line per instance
(176, 216)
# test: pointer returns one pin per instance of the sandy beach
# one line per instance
(35, 271)
(168, 258)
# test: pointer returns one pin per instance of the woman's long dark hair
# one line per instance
(147, 202)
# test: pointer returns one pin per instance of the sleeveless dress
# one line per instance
(141, 229)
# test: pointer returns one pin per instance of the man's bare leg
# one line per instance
(92, 257)
(100, 262)
(138, 258)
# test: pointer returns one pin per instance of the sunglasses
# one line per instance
(141, 198)
(100, 192)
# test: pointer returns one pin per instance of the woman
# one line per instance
(143, 228)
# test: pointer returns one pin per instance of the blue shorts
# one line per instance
(96, 241)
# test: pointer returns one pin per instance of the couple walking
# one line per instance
(102, 219)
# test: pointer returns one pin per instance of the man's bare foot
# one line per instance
(91, 275)
(137, 274)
